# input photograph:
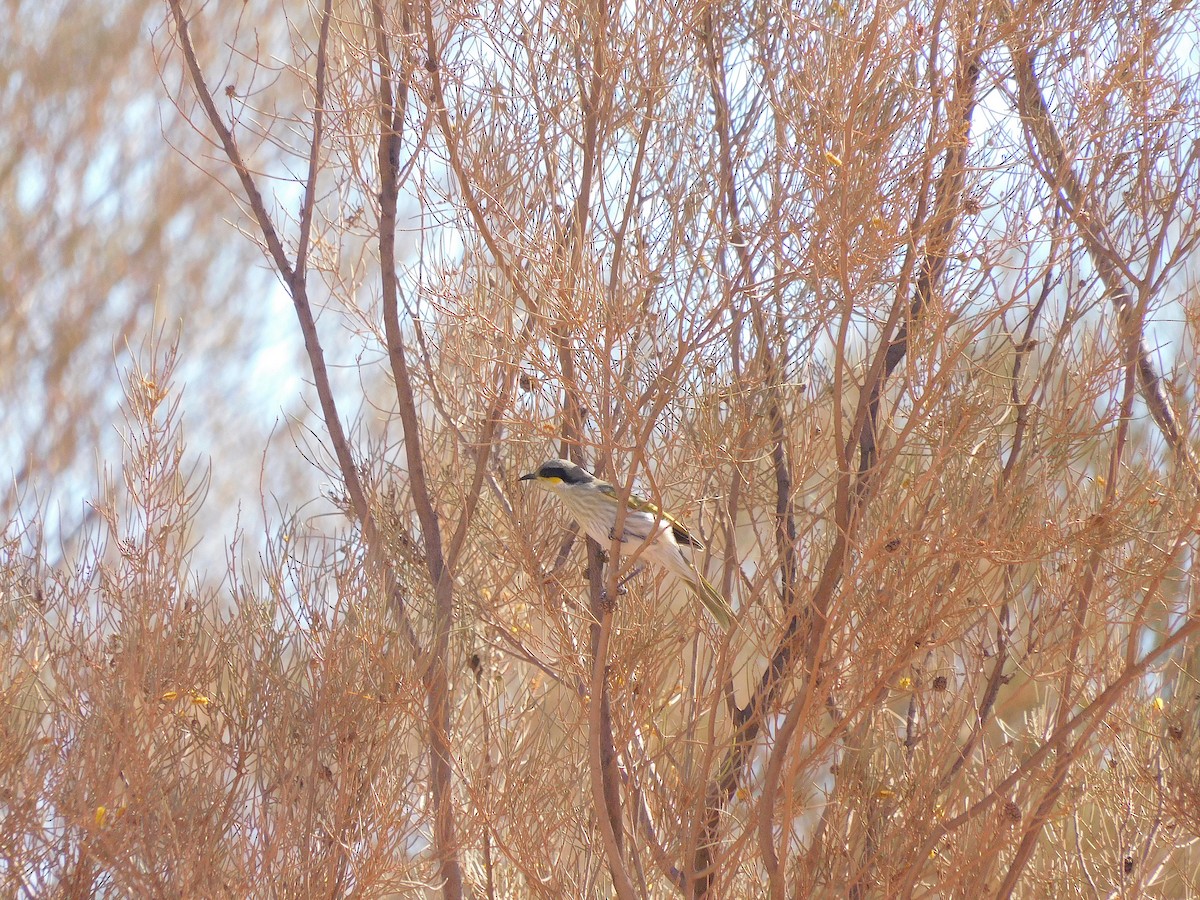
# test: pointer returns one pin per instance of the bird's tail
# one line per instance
(712, 600)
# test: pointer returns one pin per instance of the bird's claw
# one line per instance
(629, 577)
(607, 603)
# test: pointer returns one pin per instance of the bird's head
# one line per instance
(555, 474)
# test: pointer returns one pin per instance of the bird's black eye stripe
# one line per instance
(565, 472)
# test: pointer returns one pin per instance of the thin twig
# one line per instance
(1086, 721)
(308, 205)
(1057, 170)
(293, 278)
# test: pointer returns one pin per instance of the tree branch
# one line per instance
(1059, 174)
(435, 676)
(602, 761)
(295, 281)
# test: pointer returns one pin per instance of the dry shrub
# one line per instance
(873, 296)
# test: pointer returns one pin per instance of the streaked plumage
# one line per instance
(594, 505)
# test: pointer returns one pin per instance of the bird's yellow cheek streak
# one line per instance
(553, 480)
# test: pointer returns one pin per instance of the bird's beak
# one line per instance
(530, 477)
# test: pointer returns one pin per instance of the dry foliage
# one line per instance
(895, 303)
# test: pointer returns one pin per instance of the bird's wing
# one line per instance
(683, 537)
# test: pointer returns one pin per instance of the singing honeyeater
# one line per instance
(655, 532)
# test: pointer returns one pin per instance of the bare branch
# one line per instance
(1056, 168)
(437, 684)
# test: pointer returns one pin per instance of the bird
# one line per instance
(654, 533)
